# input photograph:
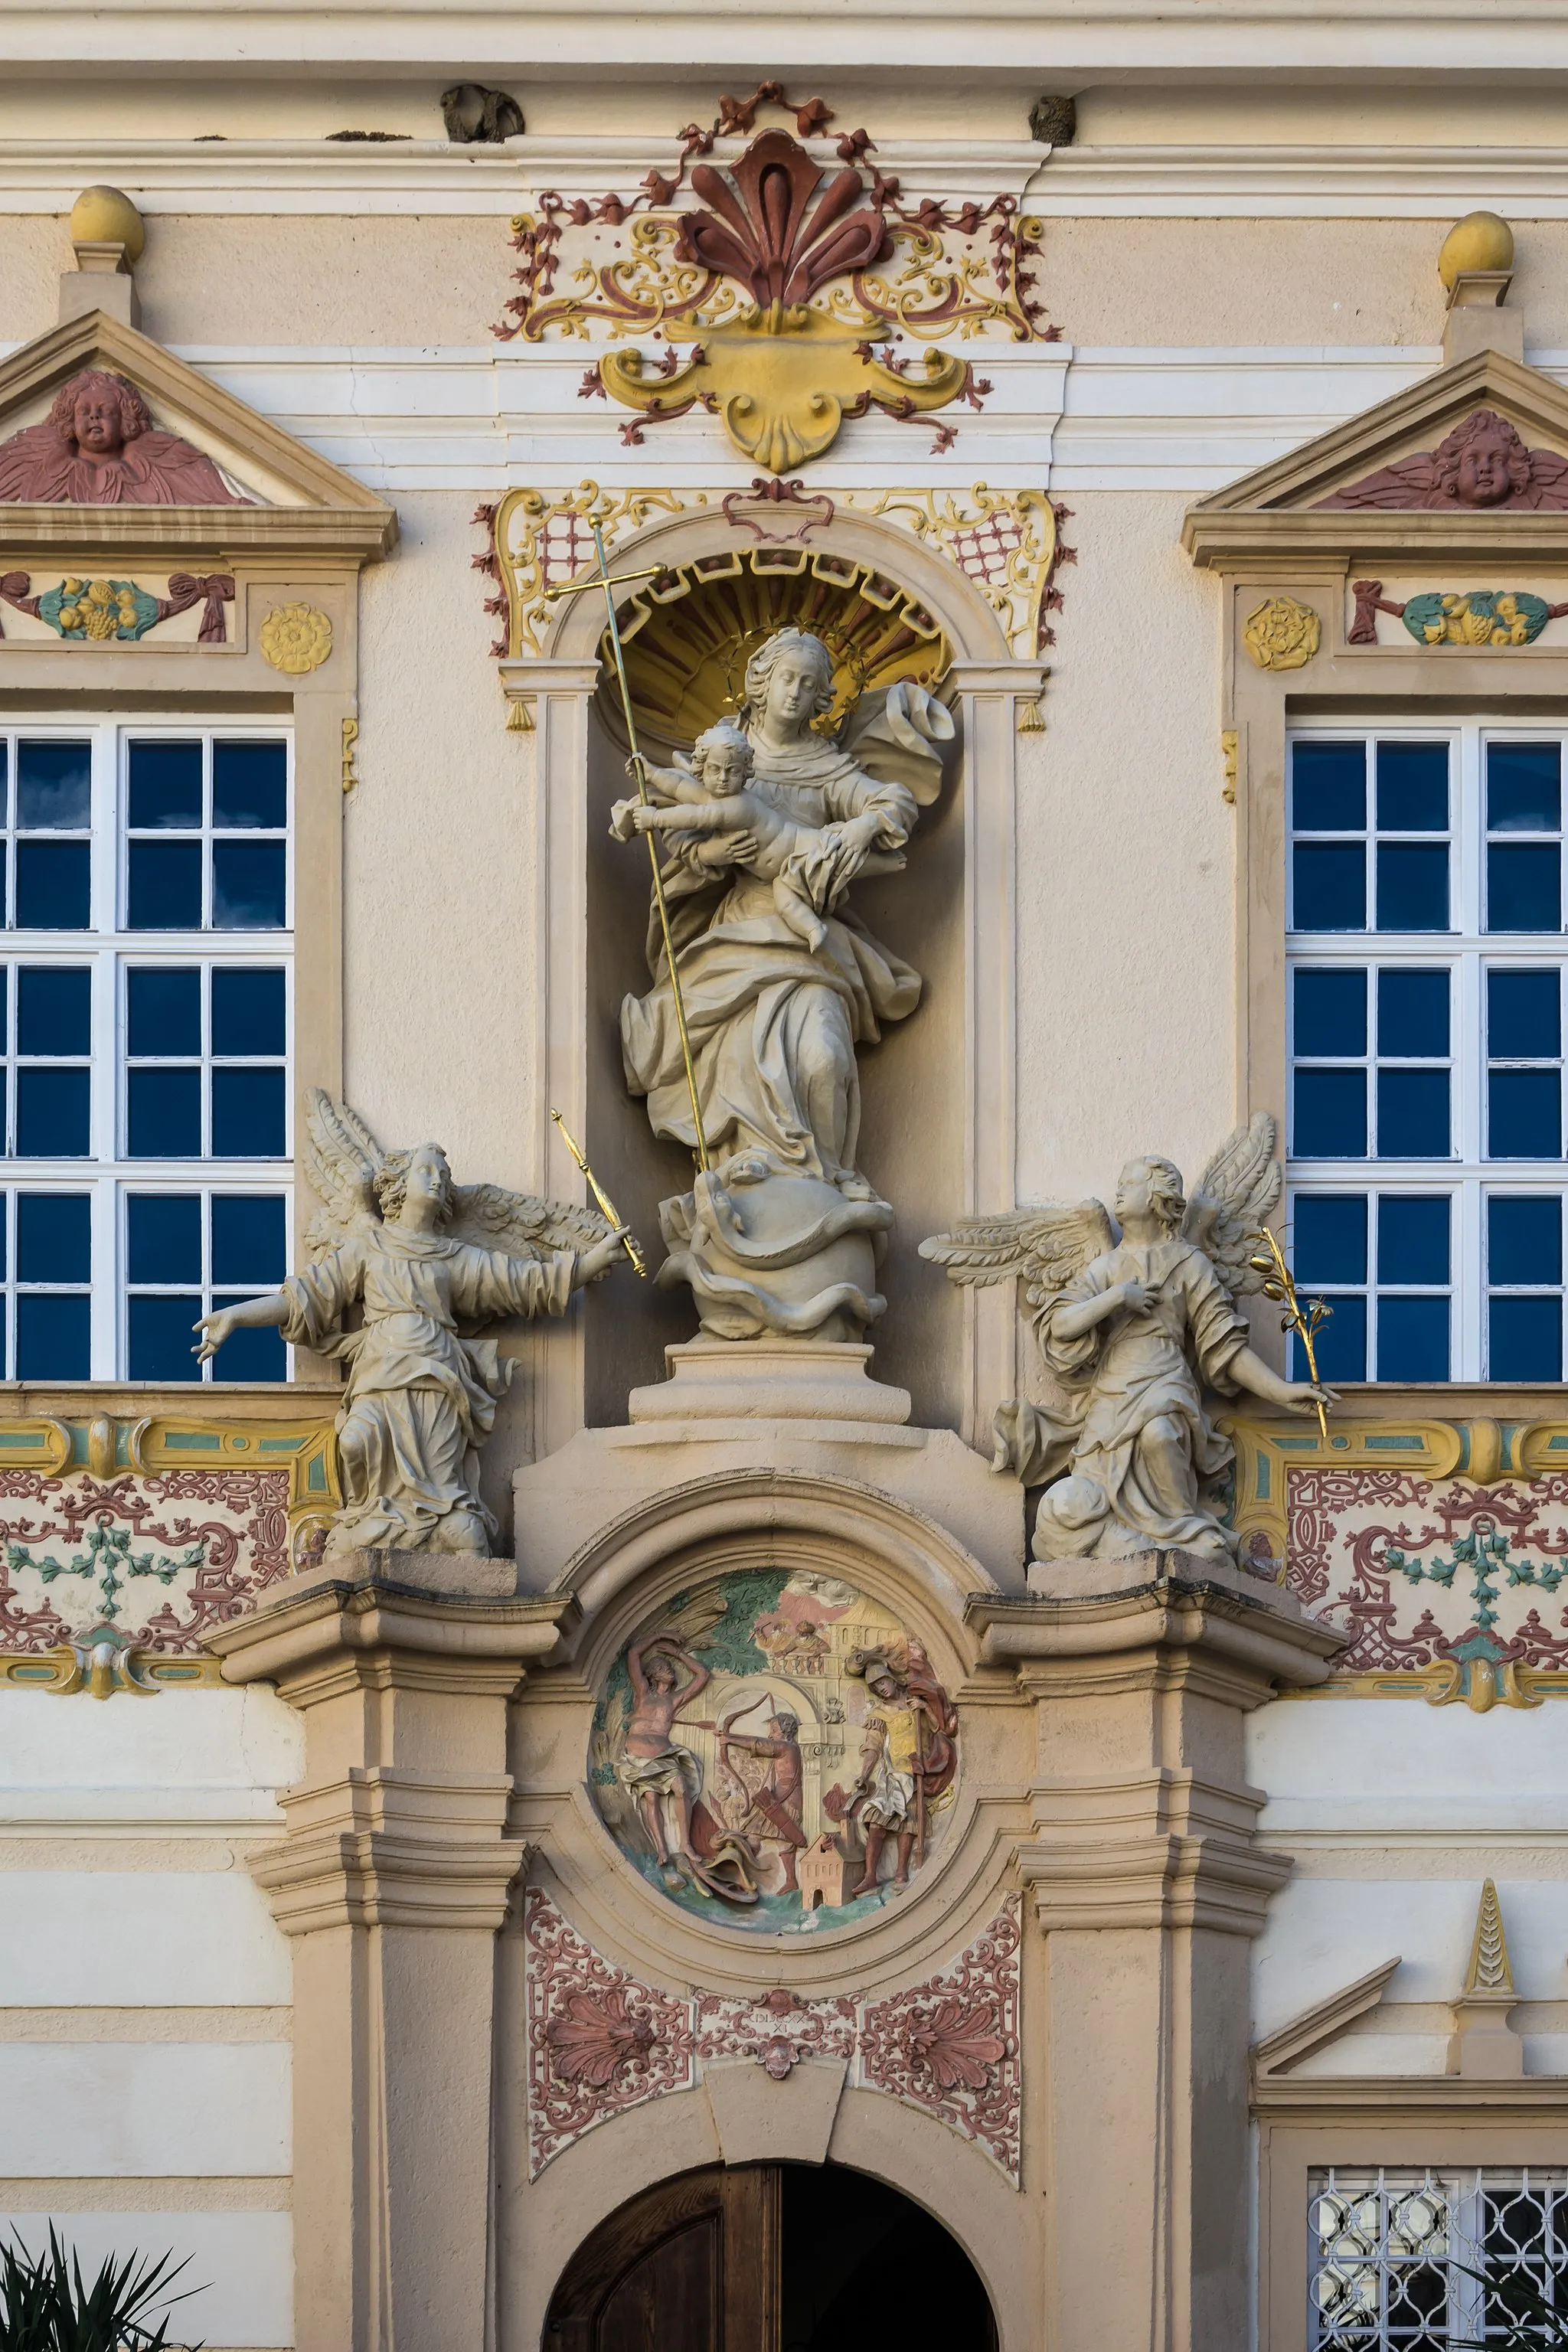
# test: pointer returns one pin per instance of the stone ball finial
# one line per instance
(107, 217)
(1479, 241)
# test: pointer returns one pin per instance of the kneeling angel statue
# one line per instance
(427, 1262)
(1134, 1326)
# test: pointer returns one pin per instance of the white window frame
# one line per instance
(109, 950)
(1469, 952)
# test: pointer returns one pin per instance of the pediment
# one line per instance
(196, 465)
(1410, 473)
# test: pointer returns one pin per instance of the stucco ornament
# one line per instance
(296, 639)
(1482, 465)
(97, 447)
(820, 1723)
(1282, 633)
(1134, 1327)
(781, 982)
(425, 1261)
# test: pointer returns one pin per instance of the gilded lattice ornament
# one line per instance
(791, 278)
(1008, 543)
(296, 638)
(538, 542)
(1282, 634)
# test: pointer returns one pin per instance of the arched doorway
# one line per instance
(769, 2258)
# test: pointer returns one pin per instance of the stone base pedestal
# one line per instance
(1144, 1572)
(734, 1413)
(458, 1573)
(769, 1380)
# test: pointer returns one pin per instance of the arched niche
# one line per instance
(939, 1117)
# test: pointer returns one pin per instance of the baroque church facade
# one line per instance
(783, 1539)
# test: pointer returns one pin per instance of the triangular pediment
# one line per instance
(1389, 476)
(198, 452)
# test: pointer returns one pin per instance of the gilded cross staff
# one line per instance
(639, 771)
(627, 1242)
(1305, 1321)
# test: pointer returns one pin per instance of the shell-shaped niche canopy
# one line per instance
(690, 634)
(771, 1751)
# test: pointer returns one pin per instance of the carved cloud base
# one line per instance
(786, 1255)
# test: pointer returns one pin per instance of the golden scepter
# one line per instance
(639, 771)
(627, 1242)
(1305, 1321)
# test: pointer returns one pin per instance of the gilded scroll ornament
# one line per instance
(350, 739)
(787, 276)
(296, 639)
(1282, 633)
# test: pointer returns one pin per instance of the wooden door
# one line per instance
(691, 2266)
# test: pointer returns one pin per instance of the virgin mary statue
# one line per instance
(775, 1021)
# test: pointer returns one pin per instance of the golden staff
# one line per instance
(1304, 1321)
(639, 771)
(603, 1198)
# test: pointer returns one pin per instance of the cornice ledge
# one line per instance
(374, 1878)
(332, 1624)
(1170, 1614)
(1212, 1883)
(1243, 538)
(353, 534)
(1395, 2099)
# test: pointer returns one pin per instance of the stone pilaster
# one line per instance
(392, 1878)
(1148, 1884)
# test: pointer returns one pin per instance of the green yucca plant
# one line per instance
(1520, 2318)
(46, 2304)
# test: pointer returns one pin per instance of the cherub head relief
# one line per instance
(99, 446)
(1483, 462)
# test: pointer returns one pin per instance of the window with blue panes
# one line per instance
(1426, 1029)
(145, 1020)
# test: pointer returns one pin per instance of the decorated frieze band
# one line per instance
(1440, 1547)
(602, 2042)
(790, 271)
(123, 1542)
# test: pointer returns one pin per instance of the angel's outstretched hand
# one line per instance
(215, 1329)
(594, 1264)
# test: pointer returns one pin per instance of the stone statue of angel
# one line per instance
(1134, 1327)
(426, 1261)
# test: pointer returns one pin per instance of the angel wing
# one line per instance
(1044, 1247)
(492, 1218)
(342, 1159)
(1231, 1200)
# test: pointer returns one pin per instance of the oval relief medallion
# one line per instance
(775, 1751)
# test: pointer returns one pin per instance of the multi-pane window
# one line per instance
(1425, 1034)
(1417, 2260)
(145, 1021)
